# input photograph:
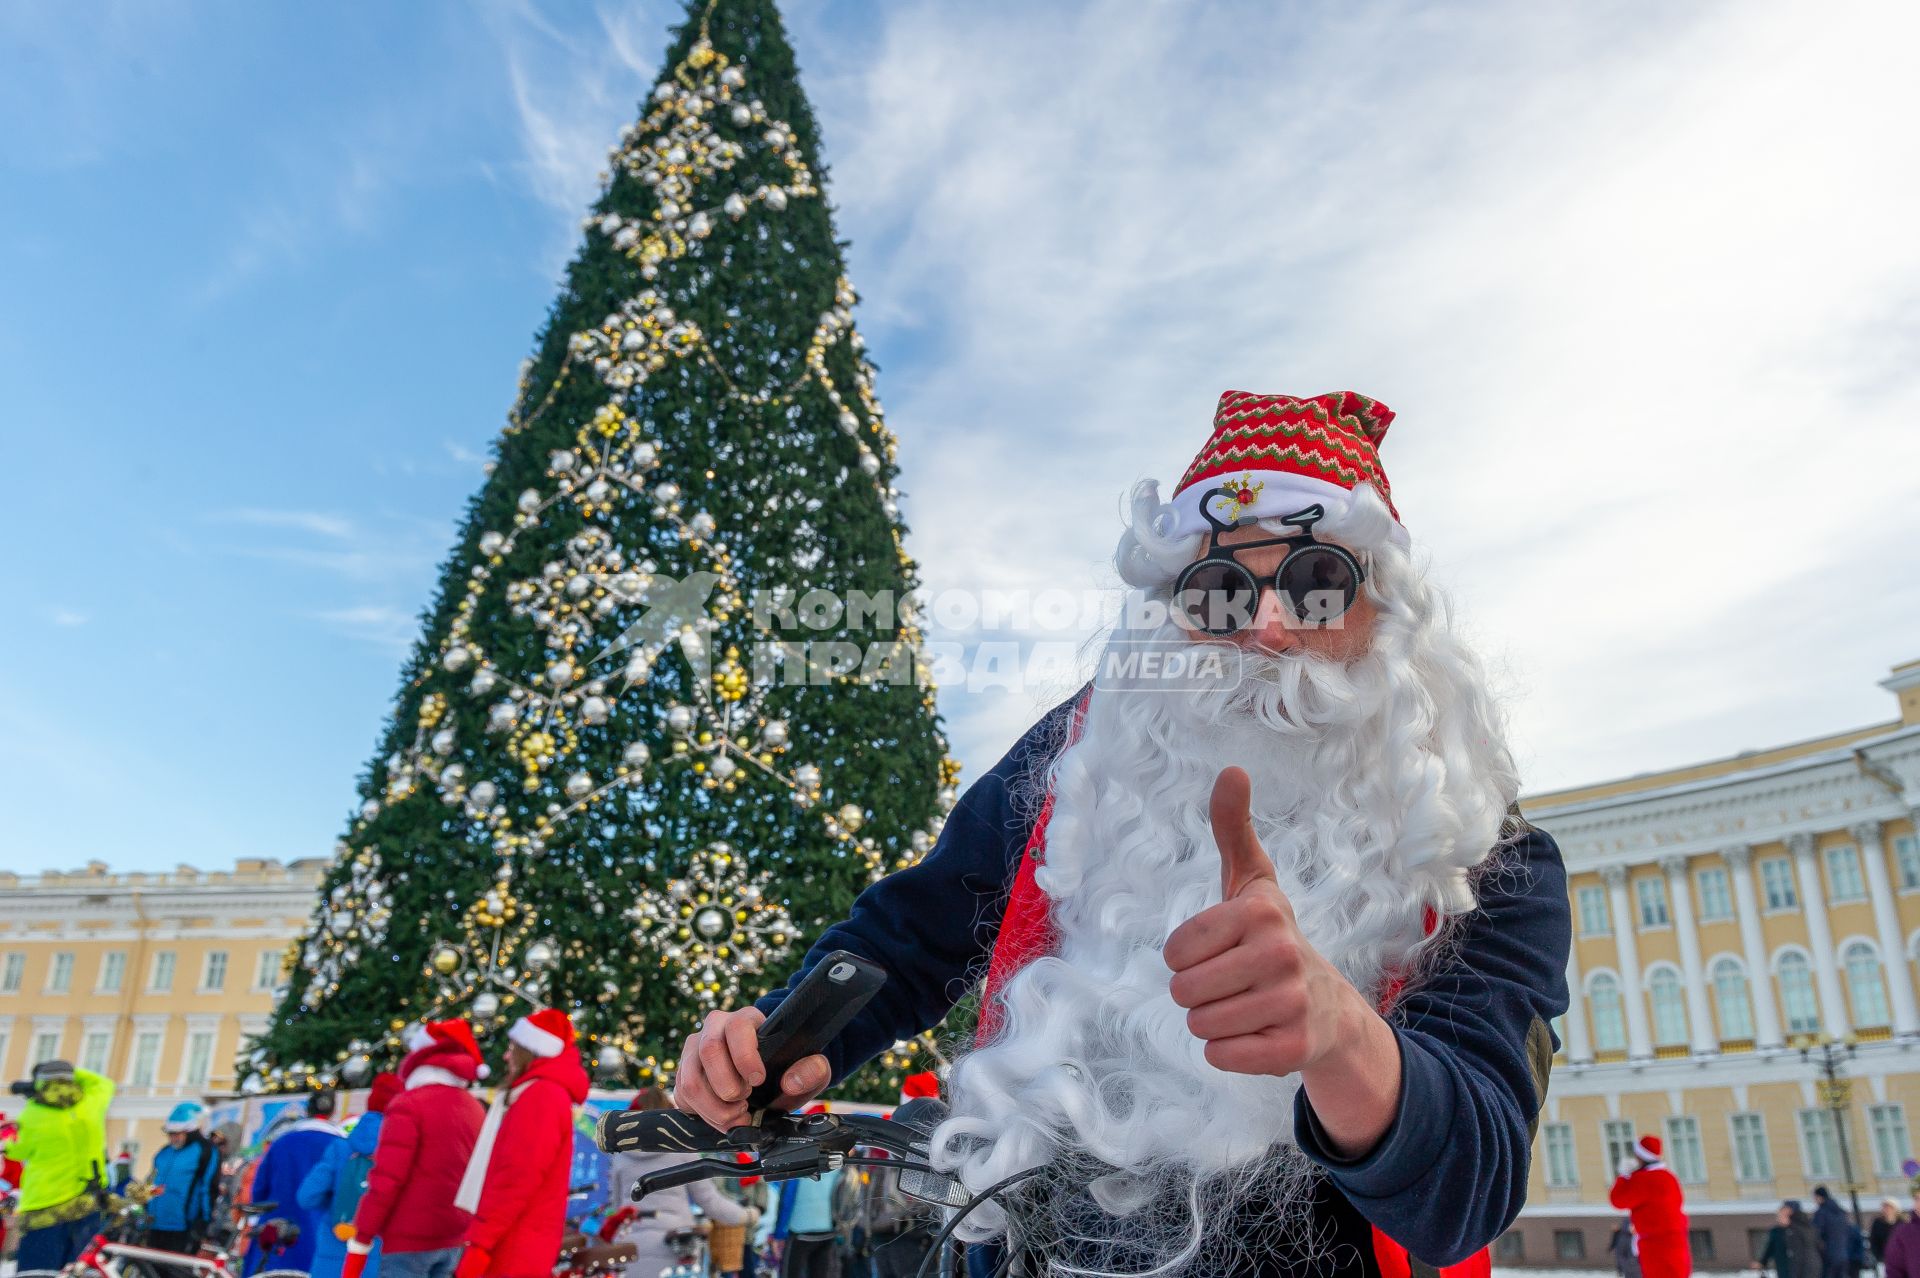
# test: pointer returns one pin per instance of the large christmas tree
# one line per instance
(643, 751)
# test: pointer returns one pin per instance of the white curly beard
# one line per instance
(1378, 786)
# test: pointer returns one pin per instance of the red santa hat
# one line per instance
(546, 1032)
(914, 1086)
(1647, 1149)
(448, 1045)
(1276, 455)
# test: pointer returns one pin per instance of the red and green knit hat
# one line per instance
(1278, 454)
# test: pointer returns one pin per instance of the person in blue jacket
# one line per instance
(1270, 955)
(294, 1153)
(333, 1187)
(185, 1171)
(805, 1226)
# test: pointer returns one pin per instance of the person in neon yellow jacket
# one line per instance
(62, 1148)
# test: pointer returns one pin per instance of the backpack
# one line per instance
(350, 1185)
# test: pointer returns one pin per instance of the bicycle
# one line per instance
(107, 1256)
(582, 1255)
(785, 1146)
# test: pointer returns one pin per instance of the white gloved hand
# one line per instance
(1628, 1166)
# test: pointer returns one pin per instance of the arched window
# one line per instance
(1669, 1007)
(1609, 1020)
(1866, 987)
(1796, 994)
(1730, 994)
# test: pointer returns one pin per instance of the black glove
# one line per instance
(21, 1088)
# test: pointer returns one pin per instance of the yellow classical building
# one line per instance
(1729, 920)
(150, 979)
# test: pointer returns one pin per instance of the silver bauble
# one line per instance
(680, 719)
(579, 786)
(774, 733)
(486, 1004)
(455, 657)
(483, 794)
(594, 710)
(636, 754)
(442, 741)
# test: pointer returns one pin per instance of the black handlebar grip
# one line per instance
(812, 1016)
(656, 1131)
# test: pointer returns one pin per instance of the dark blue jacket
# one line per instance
(286, 1163)
(1450, 1174)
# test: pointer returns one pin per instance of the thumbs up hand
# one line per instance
(1259, 995)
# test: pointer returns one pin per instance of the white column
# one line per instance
(1639, 1037)
(1766, 1008)
(1813, 902)
(1579, 1046)
(1886, 921)
(1699, 1016)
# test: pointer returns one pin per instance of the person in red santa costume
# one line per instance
(426, 1139)
(1651, 1196)
(518, 1176)
(1270, 955)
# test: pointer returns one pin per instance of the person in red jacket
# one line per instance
(517, 1179)
(426, 1138)
(1651, 1195)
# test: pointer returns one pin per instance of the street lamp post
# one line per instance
(1836, 1093)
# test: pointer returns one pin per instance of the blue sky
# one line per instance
(1640, 280)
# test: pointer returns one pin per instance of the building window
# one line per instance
(1906, 855)
(60, 973)
(1593, 911)
(1563, 1168)
(214, 978)
(1735, 1006)
(1684, 1157)
(94, 1050)
(113, 971)
(12, 972)
(46, 1047)
(1866, 988)
(1817, 1143)
(1669, 1007)
(1609, 1024)
(1843, 874)
(1652, 895)
(1890, 1144)
(1752, 1160)
(199, 1065)
(146, 1058)
(1569, 1244)
(266, 974)
(1700, 1242)
(1510, 1247)
(1776, 880)
(1716, 898)
(1617, 1135)
(1796, 994)
(162, 982)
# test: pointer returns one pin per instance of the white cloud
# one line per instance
(1639, 279)
(338, 527)
(392, 628)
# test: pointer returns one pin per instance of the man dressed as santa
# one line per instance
(1270, 955)
(1651, 1196)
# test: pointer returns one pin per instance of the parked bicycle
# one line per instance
(111, 1255)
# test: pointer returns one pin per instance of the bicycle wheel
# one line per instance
(281, 1273)
(36, 1273)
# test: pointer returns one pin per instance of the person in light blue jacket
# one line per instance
(332, 1187)
(804, 1221)
(185, 1170)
